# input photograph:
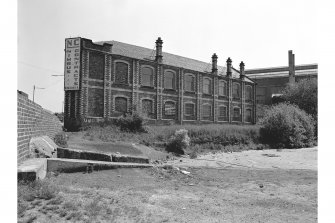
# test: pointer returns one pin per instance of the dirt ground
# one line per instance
(251, 186)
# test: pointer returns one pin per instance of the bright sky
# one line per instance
(258, 32)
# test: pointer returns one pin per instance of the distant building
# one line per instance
(108, 79)
(270, 81)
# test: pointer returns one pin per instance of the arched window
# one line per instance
(96, 65)
(121, 104)
(207, 86)
(236, 114)
(169, 108)
(236, 90)
(222, 88)
(147, 77)
(121, 73)
(248, 115)
(169, 80)
(206, 111)
(189, 82)
(189, 109)
(248, 93)
(147, 107)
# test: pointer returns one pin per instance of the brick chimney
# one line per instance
(159, 46)
(229, 73)
(215, 64)
(291, 67)
(242, 73)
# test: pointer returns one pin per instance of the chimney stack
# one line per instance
(291, 67)
(159, 55)
(242, 73)
(229, 73)
(215, 64)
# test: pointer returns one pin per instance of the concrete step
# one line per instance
(78, 165)
(37, 168)
(68, 153)
(32, 169)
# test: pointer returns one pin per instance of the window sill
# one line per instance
(192, 92)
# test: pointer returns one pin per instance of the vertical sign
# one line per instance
(72, 64)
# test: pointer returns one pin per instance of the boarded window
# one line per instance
(248, 115)
(147, 77)
(236, 90)
(222, 111)
(206, 111)
(248, 93)
(96, 66)
(169, 108)
(147, 107)
(121, 104)
(95, 102)
(222, 88)
(189, 83)
(169, 80)
(189, 109)
(121, 73)
(207, 86)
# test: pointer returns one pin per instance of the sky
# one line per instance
(258, 32)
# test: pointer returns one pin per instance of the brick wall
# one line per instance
(32, 121)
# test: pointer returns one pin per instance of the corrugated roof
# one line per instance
(139, 52)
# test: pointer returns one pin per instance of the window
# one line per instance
(222, 88)
(189, 83)
(169, 80)
(248, 93)
(206, 111)
(121, 104)
(147, 107)
(96, 66)
(222, 111)
(189, 109)
(147, 77)
(207, 86)
(248, 115)
(121, 73)
(236, 90)
(236, 114)
(169, 108)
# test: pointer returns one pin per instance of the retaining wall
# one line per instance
(32, 121)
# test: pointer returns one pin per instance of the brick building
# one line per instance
(270, 81)
(115, 78)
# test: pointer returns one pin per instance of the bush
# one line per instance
(286, 125)
(130, 122)
(179, 142)
(61, 139)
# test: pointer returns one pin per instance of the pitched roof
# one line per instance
(139, 52)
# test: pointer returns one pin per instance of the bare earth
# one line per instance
(251, 186)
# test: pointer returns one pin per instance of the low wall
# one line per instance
(32, 121)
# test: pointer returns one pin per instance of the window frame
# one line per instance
(119, 96)
(247, 88)
(175, 107)
(114, 71)
(194, 82)
(173, 79)
(191, 103)
(239, 90)
(219, 115)
(152, 80)
(210, 111)
(248, 109)
(225, 88)
(209, 85)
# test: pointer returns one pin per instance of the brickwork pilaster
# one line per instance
(215, 98)
(230, 99)
(181, 96)
(242, 101)
(199, 94)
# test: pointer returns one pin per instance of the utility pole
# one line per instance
(34, 92)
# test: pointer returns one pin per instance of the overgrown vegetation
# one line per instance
(287, 126)
(179, 142)
(61, 139)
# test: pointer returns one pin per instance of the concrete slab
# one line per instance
(77, 165)
(42, 146)
(32, 169)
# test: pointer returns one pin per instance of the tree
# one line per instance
(304, 94)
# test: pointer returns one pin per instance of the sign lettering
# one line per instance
(72, 64)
